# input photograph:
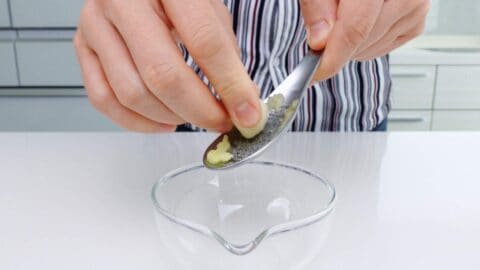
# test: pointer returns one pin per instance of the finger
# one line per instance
(392, 13)
(411, 25)
(121, 72)
(102, 97)
(319, 16)
(355, 20)
(204, 36)
(224, 15)
(163, 69)
(391, 42)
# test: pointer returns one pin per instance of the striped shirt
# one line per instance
(272, 38)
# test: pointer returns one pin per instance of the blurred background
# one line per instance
(436, 77)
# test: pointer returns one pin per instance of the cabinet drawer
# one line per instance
(4, 17)
(458, 87)
(45, 13)
(51, 114)
(413, 86)
(8, 71)
(456, 120)
(48, 63)
(409, 120)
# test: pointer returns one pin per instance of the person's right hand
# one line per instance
(360, 30)
(134, 72)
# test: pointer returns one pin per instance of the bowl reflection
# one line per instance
(272, 214)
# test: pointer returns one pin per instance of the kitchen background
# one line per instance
(436, 77)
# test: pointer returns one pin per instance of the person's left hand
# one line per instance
(360, 29)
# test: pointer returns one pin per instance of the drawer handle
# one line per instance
(413, 119)
(409, 74)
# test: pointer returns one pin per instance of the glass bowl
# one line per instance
(261, 209)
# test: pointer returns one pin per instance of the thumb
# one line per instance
(319, 16)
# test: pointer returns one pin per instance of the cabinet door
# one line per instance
(48, 63)
(409, 120)
(45, 13)
(458, 87)
(4, 17)
(413, 86)
(51, 114)
(456, 120)
(8, 71)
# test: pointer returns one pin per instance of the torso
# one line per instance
(272, 39)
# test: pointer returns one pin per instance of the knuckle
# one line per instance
(99, 100)
(206, 40)
(418, 31)
(161, 76)
(230, 89)
(357, 31)
(77, 42)
(89, 8)
(114, 9)
(425, 6)
(420, 7)
(413, 33)
(129, 96)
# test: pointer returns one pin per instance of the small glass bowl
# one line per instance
(197, 209)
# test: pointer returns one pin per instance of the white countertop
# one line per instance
(414, 56)
(418, 51)
(81, 201)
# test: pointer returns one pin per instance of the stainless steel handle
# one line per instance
(407, 119)
(409, 74)
(42, 92)
(296, 84)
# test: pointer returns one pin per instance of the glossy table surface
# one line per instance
(81, 200)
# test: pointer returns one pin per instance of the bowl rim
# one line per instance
(243, 249)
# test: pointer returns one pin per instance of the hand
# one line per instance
(134, 72)
(360, 29)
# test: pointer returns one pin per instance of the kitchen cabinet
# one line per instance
(458, 87)
(51, 114)
(409, 120)
(48, 63)
(413, 86)
(8, 72)
(432, 76)
(45, 13)
(4, 15)
(447, 120)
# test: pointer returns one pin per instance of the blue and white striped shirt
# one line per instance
(272, 39)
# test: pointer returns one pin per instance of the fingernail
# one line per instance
(318, 33)
(247, 114)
